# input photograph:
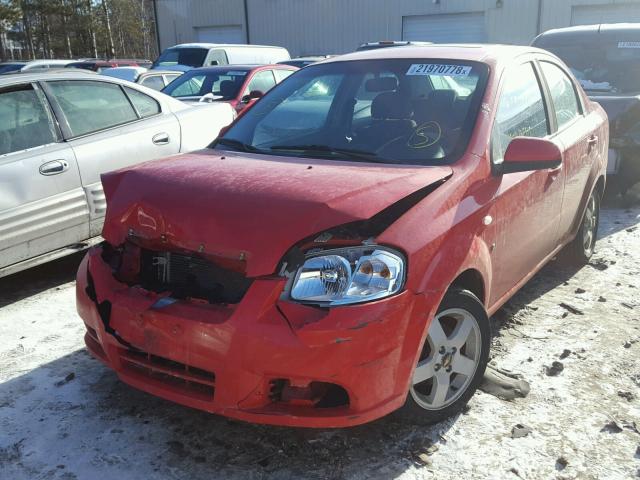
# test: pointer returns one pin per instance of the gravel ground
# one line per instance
(63, 415)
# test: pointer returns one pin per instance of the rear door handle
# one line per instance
(161, 139)
(592, 141)
(54, 167)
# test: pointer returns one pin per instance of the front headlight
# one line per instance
(349, 275)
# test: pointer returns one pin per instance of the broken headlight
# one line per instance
(348, 275)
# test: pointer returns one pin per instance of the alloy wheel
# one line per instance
(589, 225)
(449, 359)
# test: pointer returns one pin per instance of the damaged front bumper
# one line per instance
(262, 360)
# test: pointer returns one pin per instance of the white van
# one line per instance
(193, 55)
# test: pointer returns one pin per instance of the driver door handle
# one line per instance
(54, 167)
(161, 139)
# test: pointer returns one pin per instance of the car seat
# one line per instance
(391, 115)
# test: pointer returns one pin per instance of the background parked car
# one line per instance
(156, 79)
(99, 65)
(59, 133)
(302, 62)
(389, 43)
(34, 65)
(606, 60)
(234, 84)
(193, 55)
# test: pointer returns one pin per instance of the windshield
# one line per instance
(191, 57)
(10, 67)
(401, 111)
(603, 67)
(224, 84)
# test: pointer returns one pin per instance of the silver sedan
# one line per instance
(58, 133)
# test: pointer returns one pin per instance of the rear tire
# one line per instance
(580, 250)
(452, 362)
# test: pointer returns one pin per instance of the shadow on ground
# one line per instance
(94, 419)
(37, 279)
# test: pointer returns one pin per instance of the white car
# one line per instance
(156, 79)
(59, 132)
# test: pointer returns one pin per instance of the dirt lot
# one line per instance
(63, 415)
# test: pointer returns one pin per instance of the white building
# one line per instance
(308, 27)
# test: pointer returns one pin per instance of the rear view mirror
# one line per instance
(528, 153)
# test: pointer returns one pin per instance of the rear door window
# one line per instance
(282, 74)
(91, 106)
(154, 81)
(563, 94)
(521, 110)
(26, 121)
(262, 81)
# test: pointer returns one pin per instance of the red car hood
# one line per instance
(249, 208)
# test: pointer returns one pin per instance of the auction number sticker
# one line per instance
(439, 69)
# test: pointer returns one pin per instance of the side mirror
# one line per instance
(207, 98)
(526, 154)
(253, 95)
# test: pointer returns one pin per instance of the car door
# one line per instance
(42, 203)
(110, 126)
(575, 132)
(527, 204)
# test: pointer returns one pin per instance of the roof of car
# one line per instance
(614, 31)
(56, 74)
(215, 45)
(471, 52)
(243, 68)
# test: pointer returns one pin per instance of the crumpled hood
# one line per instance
(249, 208)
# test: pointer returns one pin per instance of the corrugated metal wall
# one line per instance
(177, 19)
(337, 26)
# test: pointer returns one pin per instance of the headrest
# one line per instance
(381, 84)
(439, 99)
(391, 105)
(228, 88)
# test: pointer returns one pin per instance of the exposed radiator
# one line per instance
(191, 276)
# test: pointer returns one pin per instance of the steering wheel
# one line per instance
(425, 135)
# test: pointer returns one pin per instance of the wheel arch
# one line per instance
(471, 279)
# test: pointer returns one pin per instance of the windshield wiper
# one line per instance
(236, 144)
(347, 153)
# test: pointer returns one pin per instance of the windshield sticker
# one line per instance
(235, 73)
(628, 44)
(439, 69)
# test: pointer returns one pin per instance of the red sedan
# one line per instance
(238, 85)
(337, 254)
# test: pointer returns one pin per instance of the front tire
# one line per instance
(580, 250)
(452, 362)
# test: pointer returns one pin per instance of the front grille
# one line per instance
(182, 378)
(190, 276)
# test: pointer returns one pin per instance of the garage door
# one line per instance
(447, 28)
(221, 34)
(592, 14)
